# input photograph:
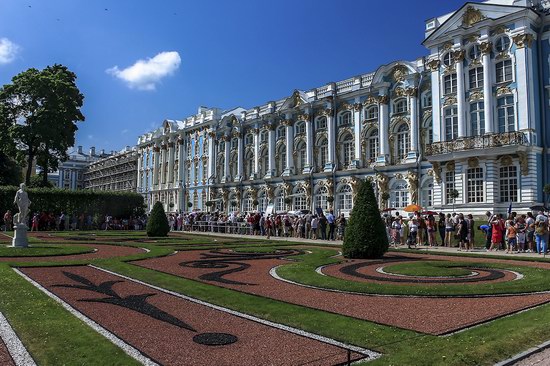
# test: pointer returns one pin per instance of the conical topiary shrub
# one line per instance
(365, 236)
(157, 225)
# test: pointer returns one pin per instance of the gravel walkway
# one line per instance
(174, 331)
(538, 359)
(427, 315)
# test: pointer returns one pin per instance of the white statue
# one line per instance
(23, 203)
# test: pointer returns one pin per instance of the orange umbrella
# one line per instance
(412, 208)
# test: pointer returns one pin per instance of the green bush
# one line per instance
(365, 236)
(157, 225)
(116, 204)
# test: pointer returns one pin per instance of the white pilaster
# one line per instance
(415, 127)
(331, 132)
(271, 155)
(289, 146)
(171, 152)
(309, 146)
(156, 155)
(460, 93)
(240, 157)
(487, 87)
(384, 130)
(256, 171)
(226, 172)
(212, 158)
(356, 162)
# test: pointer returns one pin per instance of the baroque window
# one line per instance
(372, 146)
(321, 198)
(300, 128)
(371, 113)
(347, 150)
(506, 114)
(300, 202)
(399, 195)
(449, 186)
(504, 71)
(477, 118)
(476, 77)
(451, 123)
(475, 185)
(450, 84)
(345, 198)
(502, 44)
(403, 141)
(344, 119)
(321, 123)
(323, 153)
(400, 106)
(300, 157)
(508, 184)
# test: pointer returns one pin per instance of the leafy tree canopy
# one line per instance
(38, 115)
(10, 173)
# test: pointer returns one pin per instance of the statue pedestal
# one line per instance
(20, 238)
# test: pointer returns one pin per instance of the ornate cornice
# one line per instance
(523, 40)
(503, 90)
(458, 55)
(485, 47)
(450, 100)
(476, 96)
(383, 99)
(433, 65)
(370, 101)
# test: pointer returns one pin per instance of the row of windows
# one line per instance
(501, 44)
(505, 118)
(503, 73)
(508, 185)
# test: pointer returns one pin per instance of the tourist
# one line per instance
(497, 228)
(61, 226)
(314, 226)
(8, 221)
(541, 233)
(267, 226)
(323, 226)
(396, 231)
(471, 232)
(521, 229)
(331, 225)
(341, 227)
(511, 235)
(462, 232)
(530, 230)
(441, 227)
(35, 220)
(430, 226)
(449, 231)
(413, 232)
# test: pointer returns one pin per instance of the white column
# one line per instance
(525, 94)
(181, 158)
(162, 164)
(271, 153)
(460, 93)
(331, 158)
(212, 158)
(171, 153)
(240, 157)
(433, 65)
(487, 87)
(256, 171)
(383, 130)
(156, 150)
(289, 146)
(139, 168)
(309, 146)
(415, 128)
(357, 134)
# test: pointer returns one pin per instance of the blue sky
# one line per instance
(208, 52)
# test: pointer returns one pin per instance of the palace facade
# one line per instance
(469, 119)
(117, 172)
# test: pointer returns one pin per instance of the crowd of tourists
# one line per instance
(50, 221)
(304, 224)
(524, 233)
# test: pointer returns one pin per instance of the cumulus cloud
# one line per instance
(146, 74)
(8, 51)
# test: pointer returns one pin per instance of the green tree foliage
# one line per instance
(365, 235)
(38, 115)
(10, 173)
(37, 181)
(157, 225)
(117, 204)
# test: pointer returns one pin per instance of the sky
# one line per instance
(141, 62)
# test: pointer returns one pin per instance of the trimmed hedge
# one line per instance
(157, 225)
(116, 204)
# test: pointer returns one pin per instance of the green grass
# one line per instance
(44, 250)
(427, 269)
(535, 279)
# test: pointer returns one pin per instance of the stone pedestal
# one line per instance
(20, 236)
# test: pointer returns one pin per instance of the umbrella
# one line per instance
(388, 209)
(429, 213)
(412, 208)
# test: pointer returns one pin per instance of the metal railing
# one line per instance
(478, 143)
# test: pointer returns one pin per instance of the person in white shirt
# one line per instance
(413, 232)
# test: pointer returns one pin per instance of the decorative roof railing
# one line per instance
(478, 143)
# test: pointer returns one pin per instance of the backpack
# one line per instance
(542, 228)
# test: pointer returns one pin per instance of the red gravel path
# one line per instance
(103, 251)
(427, 315)
(5, 358)
(171, 345)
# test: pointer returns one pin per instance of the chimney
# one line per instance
(92, 151)
(80, 149)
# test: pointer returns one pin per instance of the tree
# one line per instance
(37, 181)
(10, 172)
(38, 115)
(365, 235)
(158, 222)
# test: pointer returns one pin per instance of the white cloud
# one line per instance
(8, 51)
(145, 74)
(124, 131)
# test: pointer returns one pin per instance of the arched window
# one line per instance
(345, 199)
(448, 59)
(371, 113)
(247, 203)
(299, 199)
(248, 164)
(264, 162)
(281, 132)
(403, 141)
(262, 201)
(400, 106)
(372, 146)
(219, 168)
(234, 143)
(279, 201)
(321, 198)
(426, 100)
(300, 157)
(399, 195)
(233, 166)
(264, 136)
(281, 159)
(506, 114)
(502, 44)
(300, 128)
(477, 118)
(321, 123)
(427, 193)
(249, 139)
(451, 123)
(347, 150)
(344, 119)
(323, 153)
(429, 132)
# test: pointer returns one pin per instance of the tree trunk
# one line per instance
(29, 168)
(45, 173)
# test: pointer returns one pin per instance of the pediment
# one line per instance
(295, 100)
(470, 15)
